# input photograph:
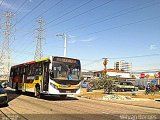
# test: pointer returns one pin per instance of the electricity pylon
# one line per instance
(39, 52)
(5, 57)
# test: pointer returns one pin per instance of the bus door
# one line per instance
(23, 84)
(45, 77)
(24, 77)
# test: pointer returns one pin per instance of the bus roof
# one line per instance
(45, 59)
(34, 61)
(65, 58)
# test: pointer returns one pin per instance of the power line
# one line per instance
(138, 56)
(136, 22)
(11, 5)
(29, 12)
(123, 10)
(25, 1)
(46, 11)
(54, 5)
(112, 17)
(69, 12)
(1, 2)
(93, 62)
(42, 13)
(82, 13)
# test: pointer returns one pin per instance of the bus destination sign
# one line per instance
(65, 60)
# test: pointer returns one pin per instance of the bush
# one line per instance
(100, 83)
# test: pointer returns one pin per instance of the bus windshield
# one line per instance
(64, 71)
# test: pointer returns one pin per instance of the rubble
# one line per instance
(116, 97)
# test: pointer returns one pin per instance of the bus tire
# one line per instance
(122, 90)
(116, 90)
(63, 96)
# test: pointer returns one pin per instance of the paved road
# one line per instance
(27, 107)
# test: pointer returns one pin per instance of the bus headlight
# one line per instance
(54, 86)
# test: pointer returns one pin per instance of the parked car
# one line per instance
(124, 86)
(84, 84)
(3, 96)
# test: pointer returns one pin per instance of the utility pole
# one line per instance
(39, 53)
(5, 58)
(65, 43)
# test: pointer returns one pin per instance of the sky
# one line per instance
(115, 29)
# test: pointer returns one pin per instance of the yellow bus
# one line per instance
(53, 76)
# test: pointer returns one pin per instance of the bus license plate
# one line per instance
(68, 91)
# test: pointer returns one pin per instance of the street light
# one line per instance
(65, 43)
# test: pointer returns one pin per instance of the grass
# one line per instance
(96, 94)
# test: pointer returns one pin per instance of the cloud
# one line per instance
(30, 0)
(152, 47)
(90, 45)
(71, 36)
(71, 41)
(87, 40)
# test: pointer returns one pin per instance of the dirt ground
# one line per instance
(97, 94)
(27, 107)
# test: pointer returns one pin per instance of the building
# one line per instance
(146, 75)
(113, 73)
(123, 66)
(87, 75)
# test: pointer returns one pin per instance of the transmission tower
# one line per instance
(5, 58)
(38, 53)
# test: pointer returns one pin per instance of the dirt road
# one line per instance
(27, 107)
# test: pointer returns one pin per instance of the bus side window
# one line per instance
(33, 69)
(29, 70)
(16, 71)
(36, 68)
(21, 71)
(12, 72)
(40, 69)
(26, 70)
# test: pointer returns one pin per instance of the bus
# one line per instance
(53, 76)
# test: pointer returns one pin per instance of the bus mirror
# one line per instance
(36, 77)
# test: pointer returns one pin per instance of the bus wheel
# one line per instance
(37, 92)
(18, 92)
(116, 89)
(122, 90)
(63, 96)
